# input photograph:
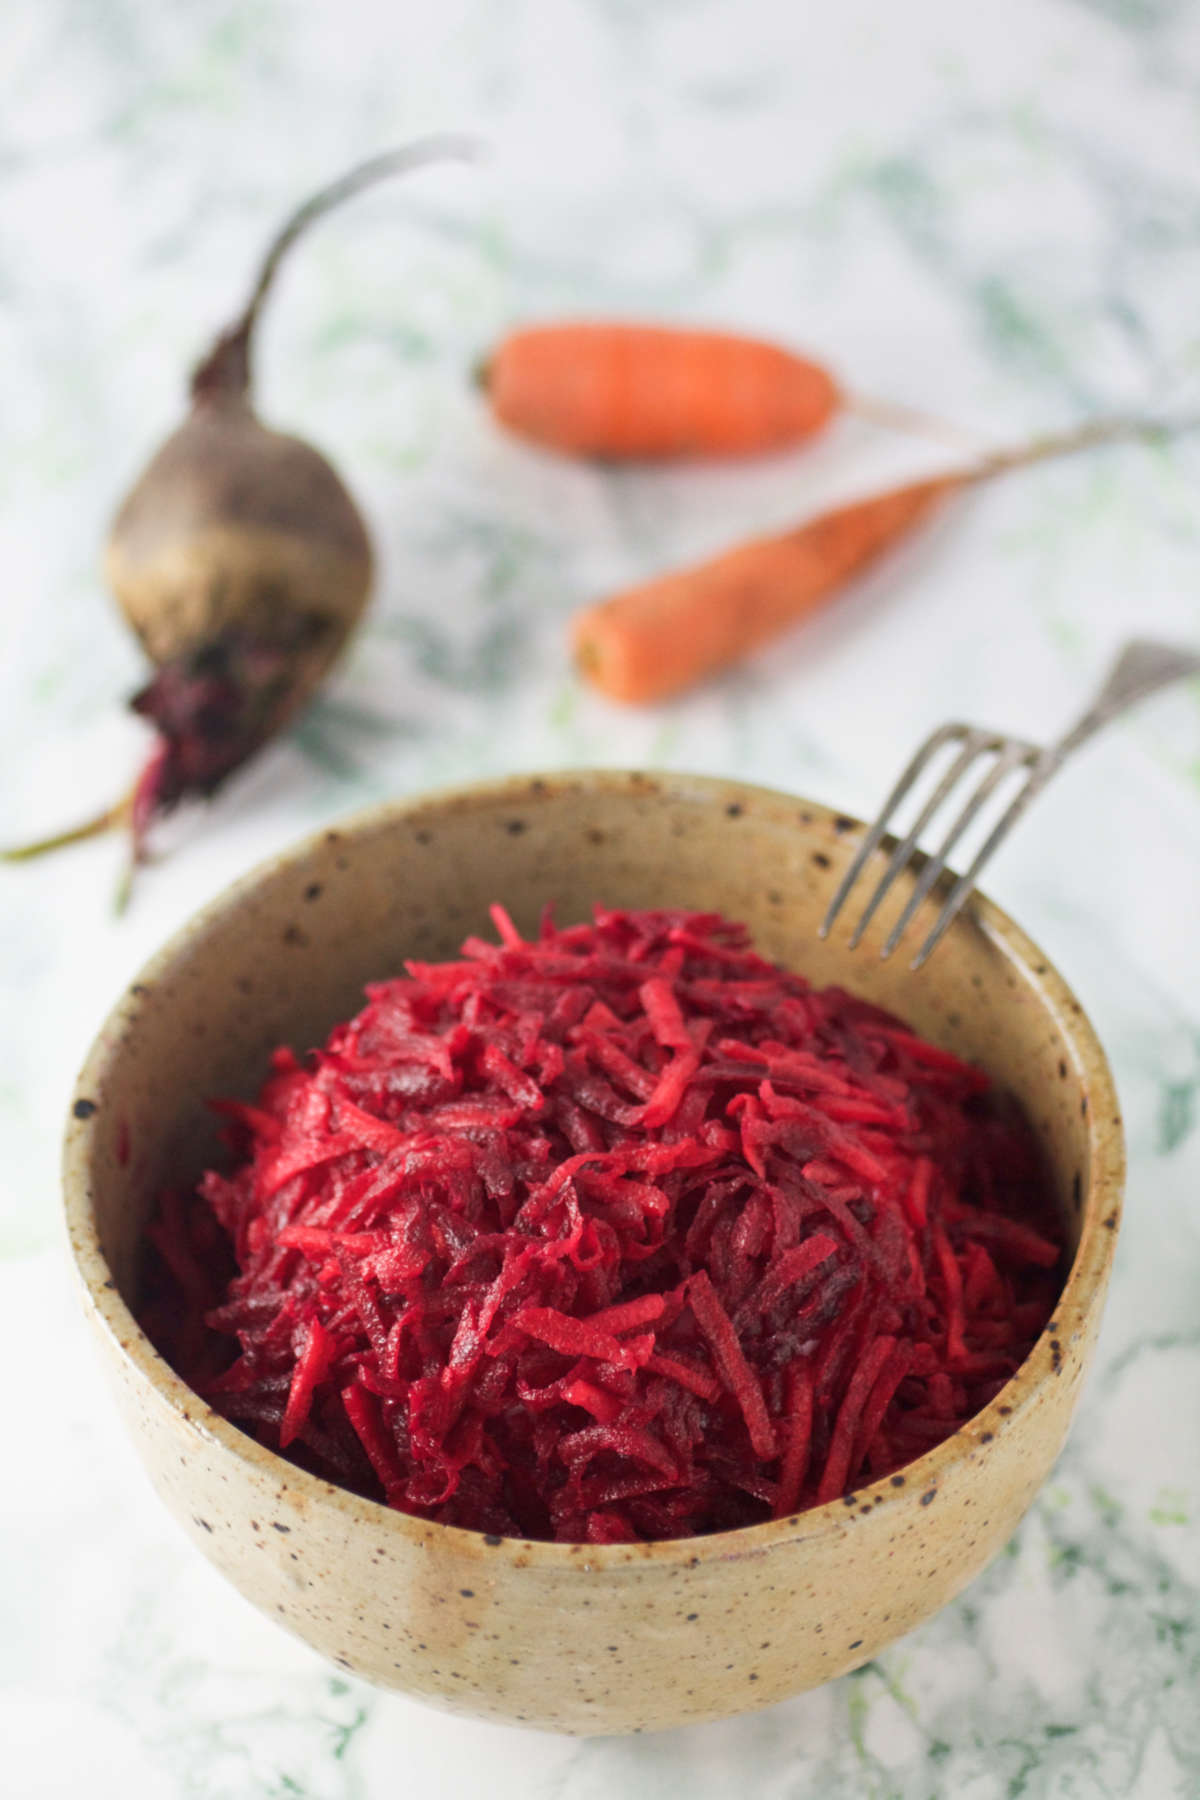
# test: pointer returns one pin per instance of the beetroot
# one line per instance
(620, 1234)
(238, 558)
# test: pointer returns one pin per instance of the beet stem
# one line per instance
(226, 368)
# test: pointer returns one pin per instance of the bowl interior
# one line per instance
(289, 951)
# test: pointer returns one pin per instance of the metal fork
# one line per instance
(1140, 669)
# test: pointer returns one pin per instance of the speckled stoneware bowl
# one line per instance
(571, 1638)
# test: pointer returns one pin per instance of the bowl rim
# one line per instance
(1085, 1285)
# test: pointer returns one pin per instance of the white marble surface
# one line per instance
(993, 212)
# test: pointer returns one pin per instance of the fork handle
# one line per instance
(1141, 668)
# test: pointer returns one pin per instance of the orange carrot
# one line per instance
(655, 391)
(621, 391)
(656, 639)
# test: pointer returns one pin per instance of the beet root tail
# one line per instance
(109, 820)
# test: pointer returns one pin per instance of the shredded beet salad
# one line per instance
(621, 1234)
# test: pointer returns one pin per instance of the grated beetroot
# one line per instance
(620, 1234)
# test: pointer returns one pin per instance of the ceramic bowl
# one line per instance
(572, 1638)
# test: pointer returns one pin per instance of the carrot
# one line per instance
(663, 636)
(622, 391)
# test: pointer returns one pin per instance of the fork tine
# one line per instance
(960, 893)
(945, 734)
(973, 744)
(1011, 757)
